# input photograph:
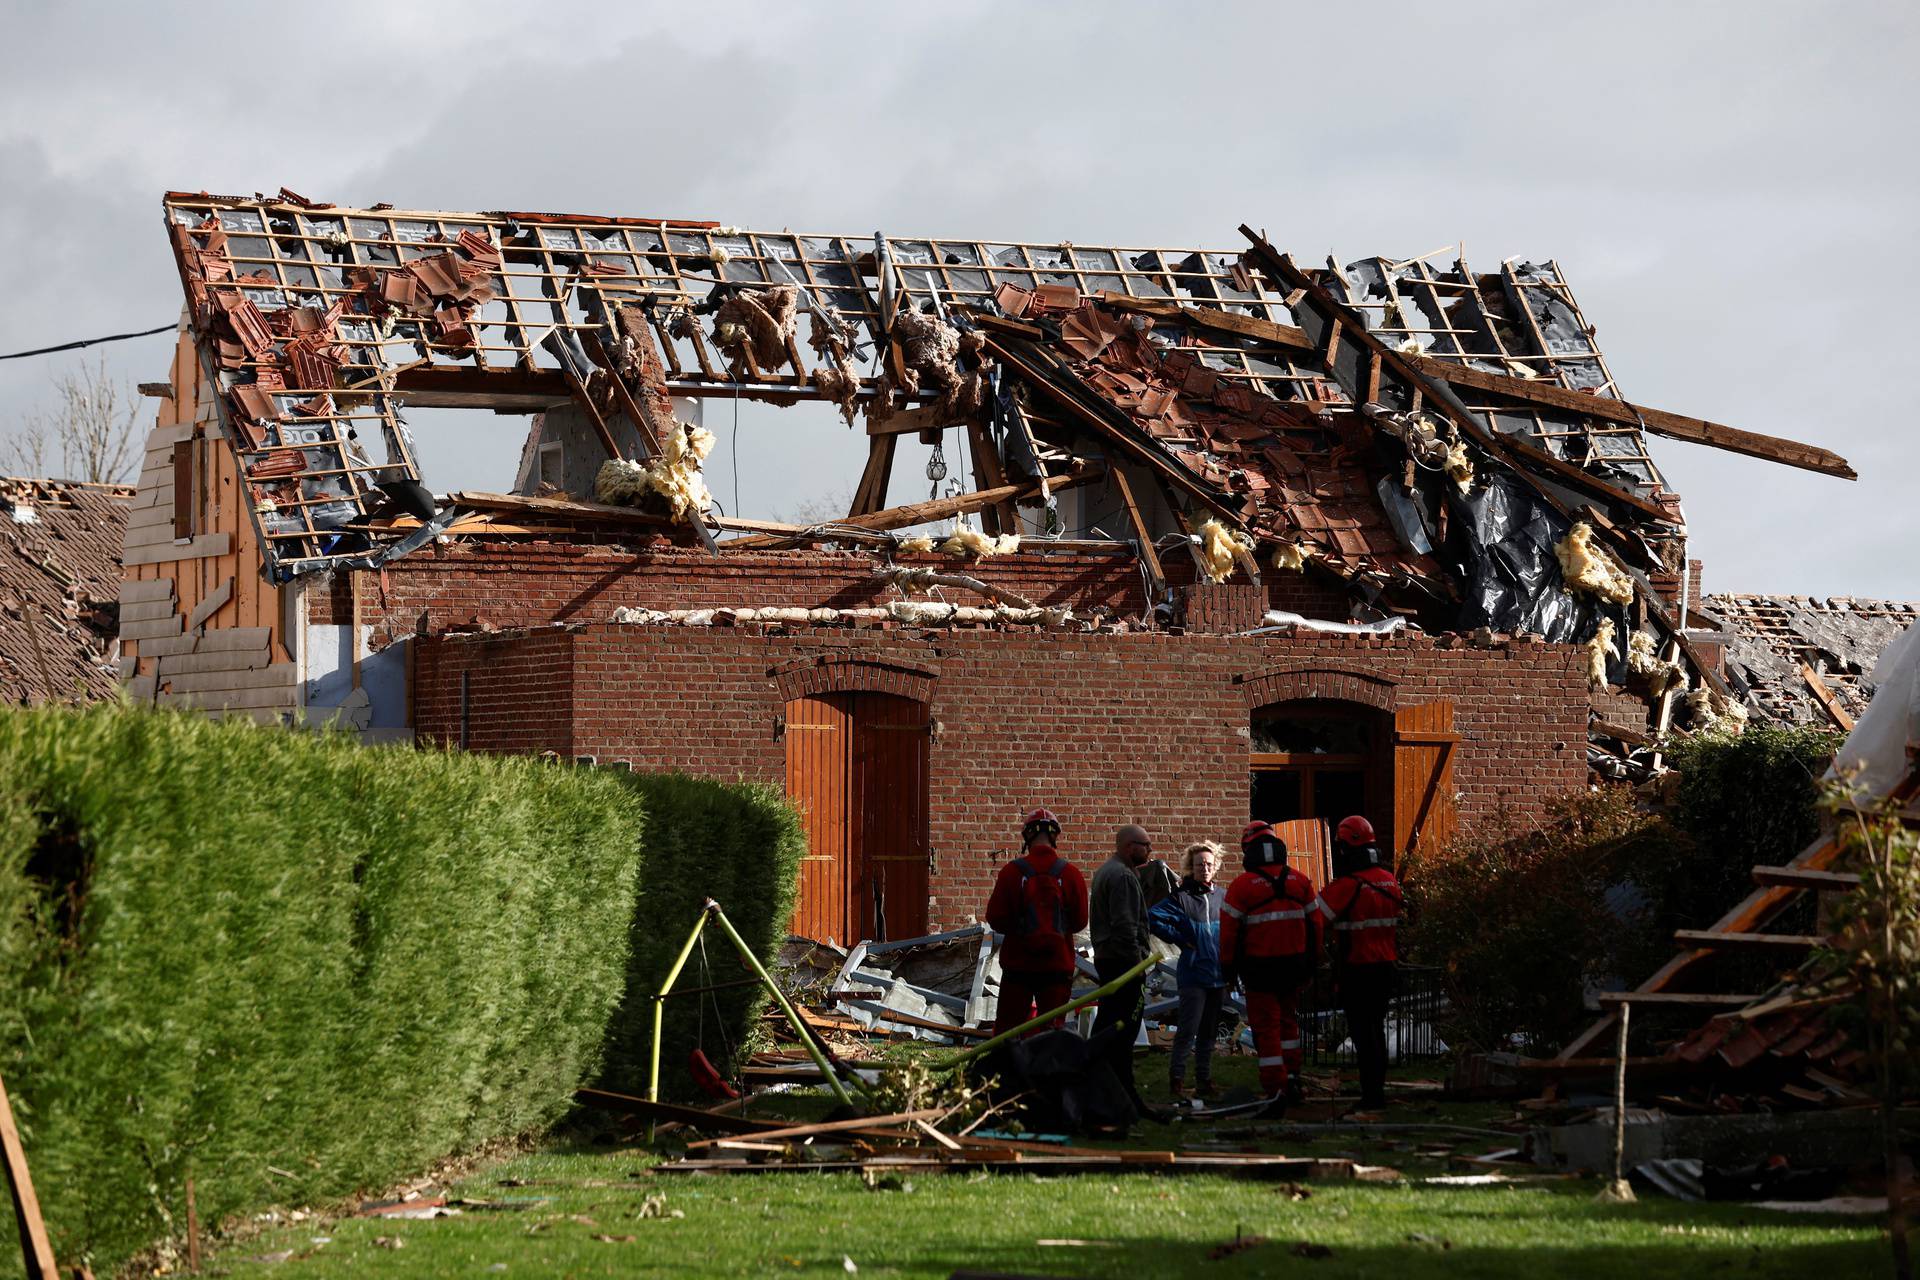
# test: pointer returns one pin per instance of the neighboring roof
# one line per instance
(59, 588)
(1774, 642)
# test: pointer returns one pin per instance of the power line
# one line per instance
(87, 342)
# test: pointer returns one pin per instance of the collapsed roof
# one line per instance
(60, 581)
(1797, 660)
(1449, 443)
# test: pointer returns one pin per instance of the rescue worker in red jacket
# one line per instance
(1269, 940)
(1361, 904)
(1038, 903)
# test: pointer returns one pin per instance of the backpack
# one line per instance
(1042, 900)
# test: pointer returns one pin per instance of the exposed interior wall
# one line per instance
(1104, 729)
(209, 632)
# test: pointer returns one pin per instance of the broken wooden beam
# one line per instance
(1804, 878)
(1280, 335)
(1712, 938)
(946, 508)
(692, 1117)
(35, 1249)
(1703, 999)
(1674, 426)
(833, 1126)
(1825, 696)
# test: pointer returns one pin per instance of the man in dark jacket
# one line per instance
(1189, 918)
(1039, 902)
(1118, 914)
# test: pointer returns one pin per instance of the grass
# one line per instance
(1131, 1224)
(568, 1194)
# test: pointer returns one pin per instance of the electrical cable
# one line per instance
(88, 342)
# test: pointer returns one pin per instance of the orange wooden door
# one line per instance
(889, 784)
(857, 772)
(1308, 848)
(1423, 746)
(818, 738)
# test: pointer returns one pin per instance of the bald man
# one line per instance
(1117, 915)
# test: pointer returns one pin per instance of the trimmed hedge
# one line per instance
(288, 966)
(739, 844)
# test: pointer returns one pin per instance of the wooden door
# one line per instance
(1423, 745)
(890, 786)
(818, 741)
(857, 771)
(1309, 848)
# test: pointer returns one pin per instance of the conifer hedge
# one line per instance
(294, 968)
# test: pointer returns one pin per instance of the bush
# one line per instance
(1524, 919)
(288, 966)
(739, 844)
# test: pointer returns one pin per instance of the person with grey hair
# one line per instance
(1190, 919)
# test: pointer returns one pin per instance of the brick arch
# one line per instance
(802, 677)
(1290, 684)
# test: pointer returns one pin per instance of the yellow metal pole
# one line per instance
(799, 1028)
(1078, 1003)
(660, 999)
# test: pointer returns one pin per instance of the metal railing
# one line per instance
(1413, 1020)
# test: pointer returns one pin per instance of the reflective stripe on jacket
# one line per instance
(1266, 916)
(1363, 908)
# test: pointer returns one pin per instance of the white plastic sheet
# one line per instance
(1874, 756)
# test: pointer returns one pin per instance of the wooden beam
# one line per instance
(1520, 454)
(693, 1117)
(582, 398)
(871, 494)
(1818, 687)
(835, 1126)
(943, 508)
(989, 474)
(1280, 335)
(1148, 554)
(1674, 426)
(1133, 440)
(1802, 878)
(35, 1249)
(1715, 939)
(594, 511)
(906, 422)
(641, 422)
(1702, 999)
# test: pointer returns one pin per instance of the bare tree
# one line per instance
(819, 509)
(90, 432)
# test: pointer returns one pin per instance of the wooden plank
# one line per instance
(907, 422)
(1801, 878)
(1818, 687)
(1700, 998)
(945, 508)
(147, 611)
(211, 604)
(1280, 335)
(221, 660)
(235, 638)
(156, 629)
(1149, 554)
(281, 675)
(558, 507)
(1672, 425)
(1713, 938)
(988, 474)
(835, 1126)
(225, 698)
(692, 1117)
(137, 592)
(35, 1249)
(168, 646)
(207, 544)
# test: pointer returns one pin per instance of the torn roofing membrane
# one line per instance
(1430, 436)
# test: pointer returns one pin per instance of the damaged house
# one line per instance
(59, 589)
(1232, 532)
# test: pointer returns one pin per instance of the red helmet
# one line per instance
(1354, 831)
(1261, 846)
(1040, 823)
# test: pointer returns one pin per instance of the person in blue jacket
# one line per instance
(1189, 918)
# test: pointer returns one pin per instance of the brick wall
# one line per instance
(1102, 728)
(511, 585)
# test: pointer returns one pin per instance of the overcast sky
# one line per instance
(1730, 188)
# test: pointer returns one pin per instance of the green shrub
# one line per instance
(739, 844)
(285, 965)
(1518, 917)
(1524, 918)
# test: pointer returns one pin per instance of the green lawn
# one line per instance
(583, 1210)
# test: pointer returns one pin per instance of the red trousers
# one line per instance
(1274, 1017)
(1024, 996)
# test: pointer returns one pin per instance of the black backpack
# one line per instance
(1029, 922)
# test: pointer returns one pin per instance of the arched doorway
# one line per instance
(857, 771)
